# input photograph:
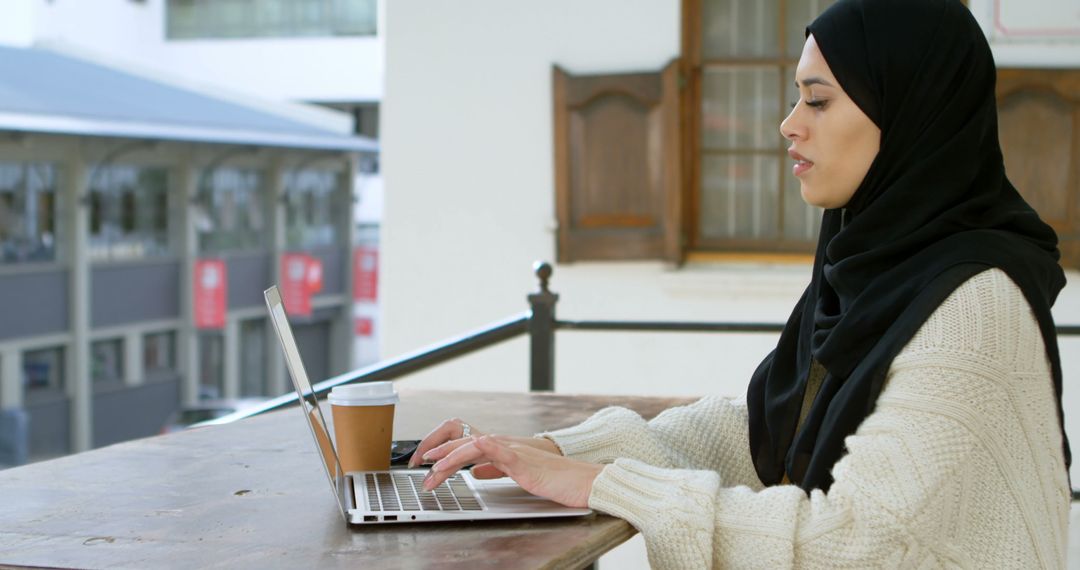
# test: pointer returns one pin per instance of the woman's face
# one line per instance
(832, 141)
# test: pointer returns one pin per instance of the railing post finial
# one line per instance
(542, 270)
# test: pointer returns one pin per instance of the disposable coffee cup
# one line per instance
(364, 424)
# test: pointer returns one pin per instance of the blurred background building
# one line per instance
(160, 164)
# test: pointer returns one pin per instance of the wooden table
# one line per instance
(252, 494)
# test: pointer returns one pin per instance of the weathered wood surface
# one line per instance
(252, 494)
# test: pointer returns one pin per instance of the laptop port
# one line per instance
(370, 518)
(390, 518)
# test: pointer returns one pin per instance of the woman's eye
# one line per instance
(816, 103)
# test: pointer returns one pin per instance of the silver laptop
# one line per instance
(397, 496)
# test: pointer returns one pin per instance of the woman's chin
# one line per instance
(815, 197)
(809, 196)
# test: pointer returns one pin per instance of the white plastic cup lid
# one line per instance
(366, 394)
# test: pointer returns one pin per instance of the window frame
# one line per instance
(295, 197)
(694, 66)
(56, 217)
(158, 373)
(109, 381)
(95, 190)
(57, 383)
(214, 241)
(205, 21)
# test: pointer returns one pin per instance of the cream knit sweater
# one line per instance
(959, 465)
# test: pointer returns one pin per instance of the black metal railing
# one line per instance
(540, 324)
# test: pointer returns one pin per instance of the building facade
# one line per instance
(139, 224)
(256, 52)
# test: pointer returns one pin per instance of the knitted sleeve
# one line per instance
(709, 434)
(958, 465)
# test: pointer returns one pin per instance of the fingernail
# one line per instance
(427, 456)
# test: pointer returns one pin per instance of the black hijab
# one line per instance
(934, 209)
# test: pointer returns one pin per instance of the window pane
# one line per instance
(740, 108)
(129, 213)
(738, 197)
(182, 19)
(253, 357)
(28, 212)
(232, 19)
(43, 370)
(355, 17)
(269, 18)
(107, 360)
(231, 211)
(159, 352)
(211, 366)
(740, 28)
(309, 208)
(799, 14)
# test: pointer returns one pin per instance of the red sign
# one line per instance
(301, 277)
(365, 326)
(211, 286)
(366, 273)
(314, 277)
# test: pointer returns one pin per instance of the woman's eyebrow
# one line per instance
(813, 81)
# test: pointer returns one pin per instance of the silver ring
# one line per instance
(465, 430)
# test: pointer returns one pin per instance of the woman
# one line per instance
(910, 414)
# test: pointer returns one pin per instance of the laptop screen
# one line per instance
(309, 405)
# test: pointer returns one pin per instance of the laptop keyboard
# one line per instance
(405, 492)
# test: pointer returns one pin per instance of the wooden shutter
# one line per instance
(1039, 127)
(617, 166)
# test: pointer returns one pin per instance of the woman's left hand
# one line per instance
(551, 476)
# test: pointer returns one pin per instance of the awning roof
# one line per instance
(46, 92)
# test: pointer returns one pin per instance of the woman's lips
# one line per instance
(801, 163)
(801, 167)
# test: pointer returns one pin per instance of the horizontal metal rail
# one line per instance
(658, 326)
(668, 326)
(397, 367)
(504, 330)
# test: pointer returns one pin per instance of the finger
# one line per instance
(447, 430)
(466, 454)
(502, 456)
(447, 466)
(487, 471)
(444, 449)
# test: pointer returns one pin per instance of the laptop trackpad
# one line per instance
(505, 493)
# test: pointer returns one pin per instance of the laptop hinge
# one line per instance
(350, 494)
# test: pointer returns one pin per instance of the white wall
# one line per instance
(467, 163)
(17, 23)
(1034, 33)
(342, 69)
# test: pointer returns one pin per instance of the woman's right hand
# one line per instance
(449, 435)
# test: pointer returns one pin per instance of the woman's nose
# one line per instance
(789, 128)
